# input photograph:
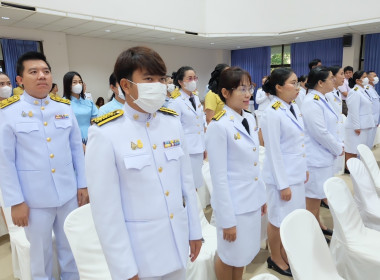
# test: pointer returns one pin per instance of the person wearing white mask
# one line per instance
(190, 111)
(373, 80)
(170, 88)
(117, 99)
(5, 86)
(360, 120)
(84, 109)
(138, 178)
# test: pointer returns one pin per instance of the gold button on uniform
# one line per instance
(255, 164)
(303, 145)
(147, 124)
(53, 170)
(254, 149)
(36, 102)
(48, 139)
(42, 108)
(256, 178)
(51, 155)
(45, 123)
(46, 102)
(154, 146)
(160, 169)
(304, 155)
(171, 216)
(167, 193)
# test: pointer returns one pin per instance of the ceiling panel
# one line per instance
(14, 14)
(70, 22)
(52, 27)
(23, 24)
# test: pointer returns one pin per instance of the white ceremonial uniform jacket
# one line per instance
(233, 155)
(375, 103)
(335, 100)
(300, 97)
(262, 99)
(192, 120)
(139, 174)
(321, 125)
(41, 153)
(359, 105)
(285, 162)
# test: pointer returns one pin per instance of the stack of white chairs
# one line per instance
(80, 231)
(264, 276)
(369, 160)
(354, 247)
(305, 245)
(20, 248)
(365, 194)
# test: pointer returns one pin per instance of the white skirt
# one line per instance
(243, 250)
(352, 140)
(339, 163)
(196, 166)
(371, 137)
(317, 177)
(278, 209)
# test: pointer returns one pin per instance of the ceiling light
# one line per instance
(238, 47)
(107, 30)
(172, 38)
(5, 18)
(297, 38)
(212, 43)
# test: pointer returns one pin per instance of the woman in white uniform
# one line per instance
(335, 99)
(373, 80)
(263, 99)
(302, 93)
(322, 139)
(190, 110)
(238, 199)
(284, 170)
(360, 120)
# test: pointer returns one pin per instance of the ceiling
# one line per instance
(82, 25)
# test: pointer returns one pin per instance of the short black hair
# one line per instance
(112, 80)
(52, 86)
(230, 79)
(371, 71)
(2, 73)
(29, 56)
(314, 62)
(68, 82)
(357, 76)
(348, 68)
(317, 74)
(180, 74)
(277, 77)
(302, 79)
(334, 69)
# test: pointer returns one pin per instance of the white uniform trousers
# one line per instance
(42, 222)
(196, 166)
(175, 275)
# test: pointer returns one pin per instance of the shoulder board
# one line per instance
(247, 111)
(367, 87)
(294, 102)
(168, 111)
(356, 88)
(276, 105)
(316, 97)
(175, 93)
(219, 115)
(6, 102)
(195, 93)
(107, 117)
(59, 99)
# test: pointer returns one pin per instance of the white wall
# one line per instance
(351, 55)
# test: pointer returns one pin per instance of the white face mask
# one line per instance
(191, 86)
(77, 88)
(121, 94)
(375, 80)
(365, 81)
(5, 91)
(151, 96)
(171, 88)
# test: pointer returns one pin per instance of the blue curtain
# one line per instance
(372, 55)
(330, 51)
(12, 50)
(256, 61)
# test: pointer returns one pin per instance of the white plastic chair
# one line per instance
(365, 194)
(84, 242)
(305, 245)
(264, 276)
(369, 160)
(354, 248)
(203, 267)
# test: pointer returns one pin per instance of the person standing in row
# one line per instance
(237, 200)
(84, 109)
(322, 138)
(117, 101)
(41, 166)
(370, 88)
(142, 194)
(284, 170)
(5, 86)
(190, 111)
(302, 93)
(345, 88)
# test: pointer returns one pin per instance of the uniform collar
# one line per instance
(285, 104)
(36, 101)
(136, 115)
(184, 95)
(234, 114)
(117, 102)
(78, 100)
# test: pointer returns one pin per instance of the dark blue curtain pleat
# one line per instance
(256, 61)
(12, 50)
(372, 55)
(330, 51)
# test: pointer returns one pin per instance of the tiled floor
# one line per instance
(257, 266)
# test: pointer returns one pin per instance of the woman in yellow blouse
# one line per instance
(213, 103)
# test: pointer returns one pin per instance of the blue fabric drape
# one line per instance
(256, 61)
(330, 51)
(12, 50)
(372, 55)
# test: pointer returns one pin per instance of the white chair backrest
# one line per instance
(347, 221)
(84, 242)
(264, 276)
(370, 163)
(306, 247)
(207, 176)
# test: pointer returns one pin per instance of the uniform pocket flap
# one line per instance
(173, 153)
(26, 127)
(137, 162)
(62, 123)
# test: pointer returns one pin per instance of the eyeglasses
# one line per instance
(190, 79)
(296, 85)
(245, 89)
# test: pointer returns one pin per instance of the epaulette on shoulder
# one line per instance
(175, 93)
(6, 102)
(195, 93)
(316, 97)
(356, 88)
(276, 105)
(168, 111)
(59, 99)
(367, 87)
(294, 102)
(247, 111)
(107, 117)
(219, 115)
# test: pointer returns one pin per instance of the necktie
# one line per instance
(292, 110)
(337, 92)
(246, 125)
(193, 102)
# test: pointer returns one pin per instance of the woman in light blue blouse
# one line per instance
(84, 109)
